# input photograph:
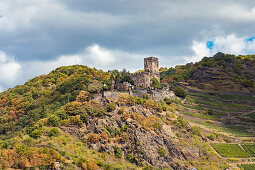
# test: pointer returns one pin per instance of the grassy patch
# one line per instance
(230, 150)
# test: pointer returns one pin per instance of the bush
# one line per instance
(104, 135)
(161, 152)
(180, 92)
(73, 108)
(211, 136)
(53, 132)
(228, 140)
(53, 121)
(36, 133)
(27, 140)
(84, 117)
(196, 131)
(160, 108)
(158, 125)
(93, 138)
(117, 152)
(111, 107)
(155, 83)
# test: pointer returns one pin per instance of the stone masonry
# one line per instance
(151, 70)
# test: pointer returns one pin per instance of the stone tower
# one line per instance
(151, 65)
(151, 70)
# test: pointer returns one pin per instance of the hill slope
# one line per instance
(63, 117)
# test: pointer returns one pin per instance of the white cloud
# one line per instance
(230, 44)
(200, 51)
(13, 73)
(9, 70)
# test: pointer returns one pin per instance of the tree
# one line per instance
(95, 87)
(73, 108)
(53, 132)
(155, 83)
(180, 92)
(53, 120)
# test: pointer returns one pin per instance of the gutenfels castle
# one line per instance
(151, 70)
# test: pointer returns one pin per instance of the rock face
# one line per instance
(139, 144)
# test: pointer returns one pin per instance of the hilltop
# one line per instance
(220, 73)
(64, 117)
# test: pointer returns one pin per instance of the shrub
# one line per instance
(160, 108)
(53, 132)
(73, 108)
(53, 121)
(36, 133)
(84, 117)
(82, 96)
(210, 111)
(93, 138)
(211, 136)
(196, 131)
(72, 120)
(155, 83)
(117, 152)
(111, 107)
(95, 87)
(27, 140)
(161, 152)
(104, 135)
(158, 125)
(228, 140)
(180, 92)
(168, 100)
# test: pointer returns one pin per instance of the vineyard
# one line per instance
(230, 150)
(250, 149)
(247, 166)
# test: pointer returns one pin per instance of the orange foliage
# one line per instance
(93, 138)
(82, 96)
(30, 157)
(104, 135)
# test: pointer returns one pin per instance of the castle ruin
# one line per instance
(151, 70)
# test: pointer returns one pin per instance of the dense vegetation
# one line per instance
(218, 73)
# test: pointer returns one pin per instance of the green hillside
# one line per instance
(63, 117)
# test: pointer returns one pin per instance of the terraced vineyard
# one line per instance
(250, 149)
(230, 150)
(230, 111)
(251, 116)
(247, 166)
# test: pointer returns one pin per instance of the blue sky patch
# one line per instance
(210, 45)
(250, 39)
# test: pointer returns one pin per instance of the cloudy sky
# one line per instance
(38, 36)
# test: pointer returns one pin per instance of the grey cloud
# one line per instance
(43, 30)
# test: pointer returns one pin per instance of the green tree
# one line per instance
(53, 132)
(155, 83)
(53, 121)
(180, 92)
